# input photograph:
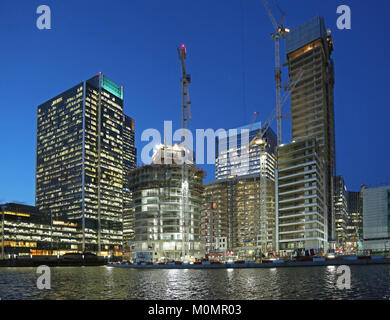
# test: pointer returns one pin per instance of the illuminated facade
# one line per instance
(26, 231)
(354, 220)
(341, 211)
(309, 47)
(232, 150)
(159, 222)
(301, 199)
(232, 211)
(129, 163)
(81, 158)
(217, 216)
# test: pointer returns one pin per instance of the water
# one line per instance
(367, 282)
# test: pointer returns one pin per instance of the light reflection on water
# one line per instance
(367, 282)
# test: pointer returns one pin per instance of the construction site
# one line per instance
(281, 203)
(289, 211)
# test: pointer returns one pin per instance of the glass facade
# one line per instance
(231, 149)
(354, 220)
(309, 31)
(161, 230)
(26, 231)
(82, 142)
(129, 163)
(341, 208)
(376, 218)
(302, 218)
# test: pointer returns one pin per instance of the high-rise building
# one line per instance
(165, 229)
(309, 47)
(354, 220)
(82, 146)
(301, 209)
(376, 218)
(129, 163)
(129, 150)
(341, 211)
(243, 220)
(232, 150)
(232, 211)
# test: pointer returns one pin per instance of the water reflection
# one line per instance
(367, 282)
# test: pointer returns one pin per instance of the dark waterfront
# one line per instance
(367, 282)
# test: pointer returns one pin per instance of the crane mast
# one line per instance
(261, 143)
(185, 118)
(279, 32)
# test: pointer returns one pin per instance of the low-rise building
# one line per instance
(27, 231)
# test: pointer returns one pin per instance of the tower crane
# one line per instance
(260, 142)
(279, 32)
(185, 118)
(258, 139)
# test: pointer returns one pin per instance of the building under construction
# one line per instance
(231, 217)
(162, 229)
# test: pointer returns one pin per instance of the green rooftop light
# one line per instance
(112, 87)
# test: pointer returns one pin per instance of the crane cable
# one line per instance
(243, 59)
(280, 10)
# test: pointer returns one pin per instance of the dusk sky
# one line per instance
(230, 59)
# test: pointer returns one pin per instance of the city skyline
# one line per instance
(138, 87)
(194, 156)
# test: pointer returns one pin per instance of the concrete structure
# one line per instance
(217, 217)
(301, 212)
(160, 230)
(232, 212)
(376, 218)
(81, 158)
(232, 150)
(309, 47)
(341, 211)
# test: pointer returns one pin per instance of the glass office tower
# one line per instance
(355, 220)
(129, 163)
(81, 156)
(341, 211)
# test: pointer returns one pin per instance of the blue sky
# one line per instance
(230, 59)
